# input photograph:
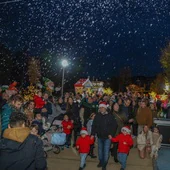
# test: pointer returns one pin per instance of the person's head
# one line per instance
(120, 101)
(143, 104)
(116, 107)
(106, 98)
(60, 100)
(70, 100)
(156, 129)
(5, 96)
(38, 115)
(126, 130)
(92, 116)
(39, 93)
(83, 132)
(103, 107)
(145, 128)
(66, 95)
(45, 96)
(90, 99)
(34, 129)
(31, 105)
(66, 118)
(16, 101)
(17, 119)
(127, 102)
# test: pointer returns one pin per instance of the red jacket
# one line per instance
(121, 138)
(39, 102)
(65, 124)
(84, 144)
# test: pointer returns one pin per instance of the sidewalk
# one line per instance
(69, 160)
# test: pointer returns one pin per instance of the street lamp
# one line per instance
(64, 64)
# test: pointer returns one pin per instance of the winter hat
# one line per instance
(126, 128)
(103, 104)
(83, 131)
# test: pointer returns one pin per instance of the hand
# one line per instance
(131, 120)
(124, 143)
(110, 137)
(68, 127)
(77, 147)
(44, 110)
(92, 137)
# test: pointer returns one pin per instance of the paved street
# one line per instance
(69, 160)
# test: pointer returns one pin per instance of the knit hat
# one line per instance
(126, 128)
(103, 104)
(83, 131)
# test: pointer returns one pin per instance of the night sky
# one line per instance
(105, 35)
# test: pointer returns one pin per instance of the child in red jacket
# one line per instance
(39, 102)
(67, 129)
(83, 145)
(125, 142)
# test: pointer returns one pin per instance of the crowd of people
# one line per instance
(113, 121)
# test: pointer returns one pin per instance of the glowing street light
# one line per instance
(64, 64)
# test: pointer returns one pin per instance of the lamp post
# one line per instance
(64, 64)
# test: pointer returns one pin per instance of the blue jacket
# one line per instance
(6, 113)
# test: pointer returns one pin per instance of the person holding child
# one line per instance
(125, 142)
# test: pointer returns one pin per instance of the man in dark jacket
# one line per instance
(104, 124)
(19, 150)
(47, 109)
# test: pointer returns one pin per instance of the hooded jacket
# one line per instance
(20, 150)
(84, 144)
(125, 143)
(7, 110)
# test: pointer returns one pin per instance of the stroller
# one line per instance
(53, 139)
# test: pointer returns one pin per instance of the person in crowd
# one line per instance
(83, 145)
(144, 116)
(38, 120)
(58, 111)
(125, 143)
(4, 99)
(34, 129)
(157, 139)
(153, 108)
(87, 108)
(19, 149)
(144, 142)
(14, 104)
(104, 124)
(89, 128)
(39, 102)
(136, 106)
(72, 110)
(127, 109)
(29, 111)
(67, 129)
(47, 108)
(121, 120)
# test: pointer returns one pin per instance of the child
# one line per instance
(38, 121)
(39, 102)
(67, 129)
(83, 145)
(34, 129)
(157, 139)
(89, 127)
(125, 142)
